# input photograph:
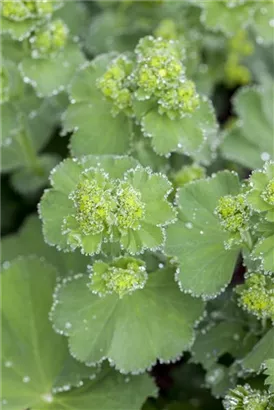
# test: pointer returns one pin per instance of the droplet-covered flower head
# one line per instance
(257, 295)
(156, 73)
(246, 398)
(115, 84)
(261, 194)
(114, 200)
(22, 9)
(122, 276)
(49, 39)
(160, 75)
(233, 213)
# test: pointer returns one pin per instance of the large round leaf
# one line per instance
(133, 332)
(36, 362)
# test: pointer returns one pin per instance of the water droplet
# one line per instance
(265, 156)
(48, 398)
(189, 225)
(271, 23)
(26, 379)
(236, 336)
(201, 232)
(68, 325)
(8, 363)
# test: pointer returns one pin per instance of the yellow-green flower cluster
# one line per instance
(233, 213)
(102, 204)
(94, 204)
(261, 194)
(130, 208)
(187, 174)
(246, 398)
(160, 75)
(115, 84)
(22, 9)
(122, 276)
(49, 39)
(238, 47)
(257, 295)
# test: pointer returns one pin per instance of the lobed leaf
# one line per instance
(197, 239)
(133, 332)
(34, 370)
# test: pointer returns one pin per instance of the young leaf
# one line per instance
(270, 373)
(261, 352)
(29, 240)
(33, 370)
(95, 130)
(197, 239)
(128, 331)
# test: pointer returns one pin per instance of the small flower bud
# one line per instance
(122, 276)
(245, 398)
(233, 213)
(187, 174)
(50, 39)
(257, 295)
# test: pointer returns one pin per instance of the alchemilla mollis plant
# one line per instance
(137, 205)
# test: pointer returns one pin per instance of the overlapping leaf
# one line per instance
(197, 239)
(46, 76)
(262, 351)
(96, 131)
(30, 241)
(250, 141)
(34, 370)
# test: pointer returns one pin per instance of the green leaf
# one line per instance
(27, 181)
(127, 331)
(39, 119)
(18, 30)
(263, 22)
(29, 240)
(241, 144)
(264, 251)
(75, 16)
(261, 352)
(270, 373)
(182, 135)
(11, 123)
(95, 130)
(33, 371)
(222, 338)
(46, 76)
(219, 16)
(197, 239)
